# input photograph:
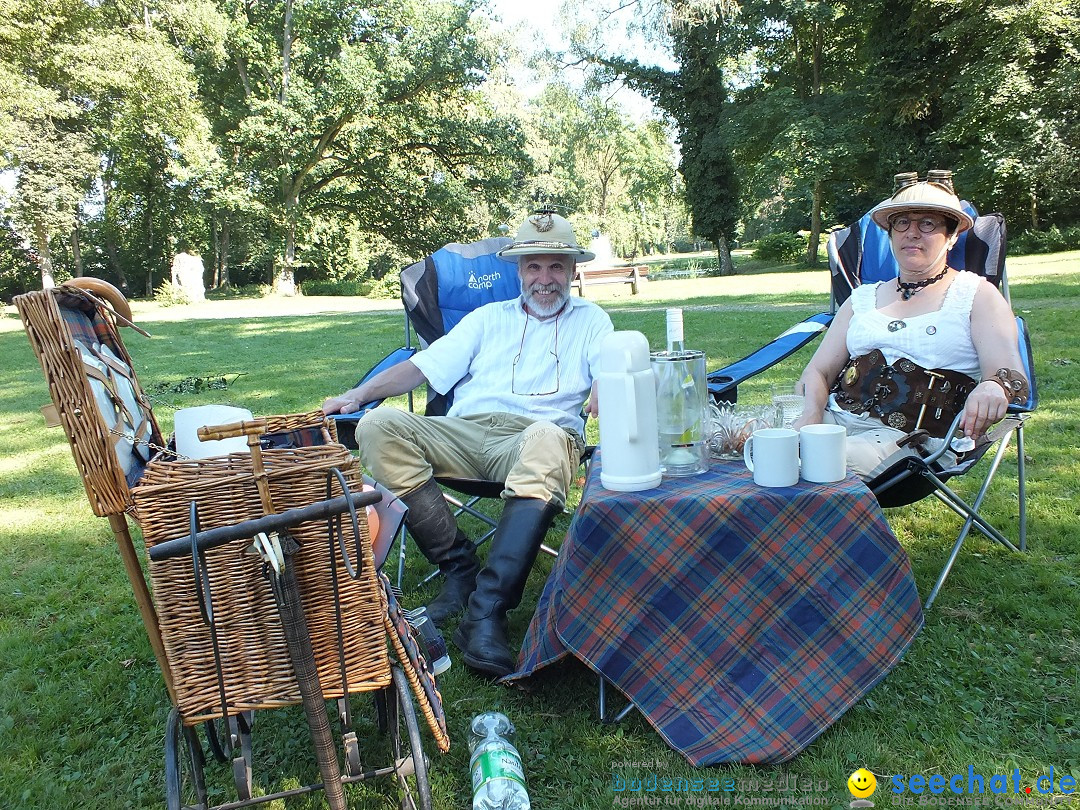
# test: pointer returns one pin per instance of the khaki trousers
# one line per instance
(535, 459)
(872, 446)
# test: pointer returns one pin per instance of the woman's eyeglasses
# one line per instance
(539, 386)
(902, 223)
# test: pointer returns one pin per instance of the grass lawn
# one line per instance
(991, 682)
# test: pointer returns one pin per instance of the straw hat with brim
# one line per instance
(928, 197)
(545, 233)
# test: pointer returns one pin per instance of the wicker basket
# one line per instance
(53, 319)
(252, 655)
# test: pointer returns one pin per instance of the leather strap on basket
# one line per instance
(903, 395)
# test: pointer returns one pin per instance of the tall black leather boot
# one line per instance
(432, 525)
(482, 636)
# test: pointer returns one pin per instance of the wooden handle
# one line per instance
(253, 427)
(104, 289)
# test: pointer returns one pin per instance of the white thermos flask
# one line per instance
(628, 429)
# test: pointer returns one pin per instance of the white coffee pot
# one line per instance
(628, 426)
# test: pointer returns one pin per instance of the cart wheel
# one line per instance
(180, 740)
(213, 740)
(409, 760)
(353, 765)
(240, 731)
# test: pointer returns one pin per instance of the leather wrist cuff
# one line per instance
(1013, 383)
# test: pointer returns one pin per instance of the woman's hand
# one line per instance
(807, 419)
(986, 405)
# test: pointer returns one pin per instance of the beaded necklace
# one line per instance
(909, 288)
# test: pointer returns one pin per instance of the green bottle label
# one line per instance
(496, 763)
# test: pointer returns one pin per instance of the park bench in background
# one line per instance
(626, 274)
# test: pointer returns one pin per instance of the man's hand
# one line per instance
(986, 405)
(592, 407)
(389, 382)
(340, 404)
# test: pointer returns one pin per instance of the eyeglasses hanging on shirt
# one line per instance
(539, 375)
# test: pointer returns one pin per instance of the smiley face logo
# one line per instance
(862, 784)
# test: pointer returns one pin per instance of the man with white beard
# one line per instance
(521, 372)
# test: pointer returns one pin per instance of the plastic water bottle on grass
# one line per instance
(498, 778)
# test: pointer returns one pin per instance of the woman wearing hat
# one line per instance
(520, 371)
(911, 353)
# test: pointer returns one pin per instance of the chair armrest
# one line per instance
(723, 383)
(345, 419)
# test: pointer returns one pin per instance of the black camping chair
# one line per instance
(437, 292)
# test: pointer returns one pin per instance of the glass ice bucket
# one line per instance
(681, 395)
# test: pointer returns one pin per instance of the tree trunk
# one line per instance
(723, 256)
(1034, 210)
(815, 226)
(223, 270)
(150, 234)
(284, 279)
(110, 242)
(215, 244)
(76, 252)
(41, 246)
(114, 259)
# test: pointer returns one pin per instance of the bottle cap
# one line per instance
(674, 325)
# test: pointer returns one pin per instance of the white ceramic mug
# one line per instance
(772, 455)
(823, 449)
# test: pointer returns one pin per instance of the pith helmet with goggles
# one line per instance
(545, 232)
(934, 195)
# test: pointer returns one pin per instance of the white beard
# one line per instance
(551, 304)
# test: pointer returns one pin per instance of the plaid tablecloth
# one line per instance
(741, 621)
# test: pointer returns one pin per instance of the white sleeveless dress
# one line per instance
(939, 339)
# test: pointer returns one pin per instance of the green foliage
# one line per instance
(606, 172)
(381, 119)
(1052, 240)
(387, 287)
(170, 295)
(17, 271)
(694, 95)
(785, 248)
(397, 128)
(234, 291)
(360, 288)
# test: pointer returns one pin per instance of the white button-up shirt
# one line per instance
(499, 359)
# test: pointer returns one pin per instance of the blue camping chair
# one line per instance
(860, 254)
(437, 292)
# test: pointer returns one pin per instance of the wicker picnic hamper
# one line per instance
(249, 649)
(239, 661)
(55, 320)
